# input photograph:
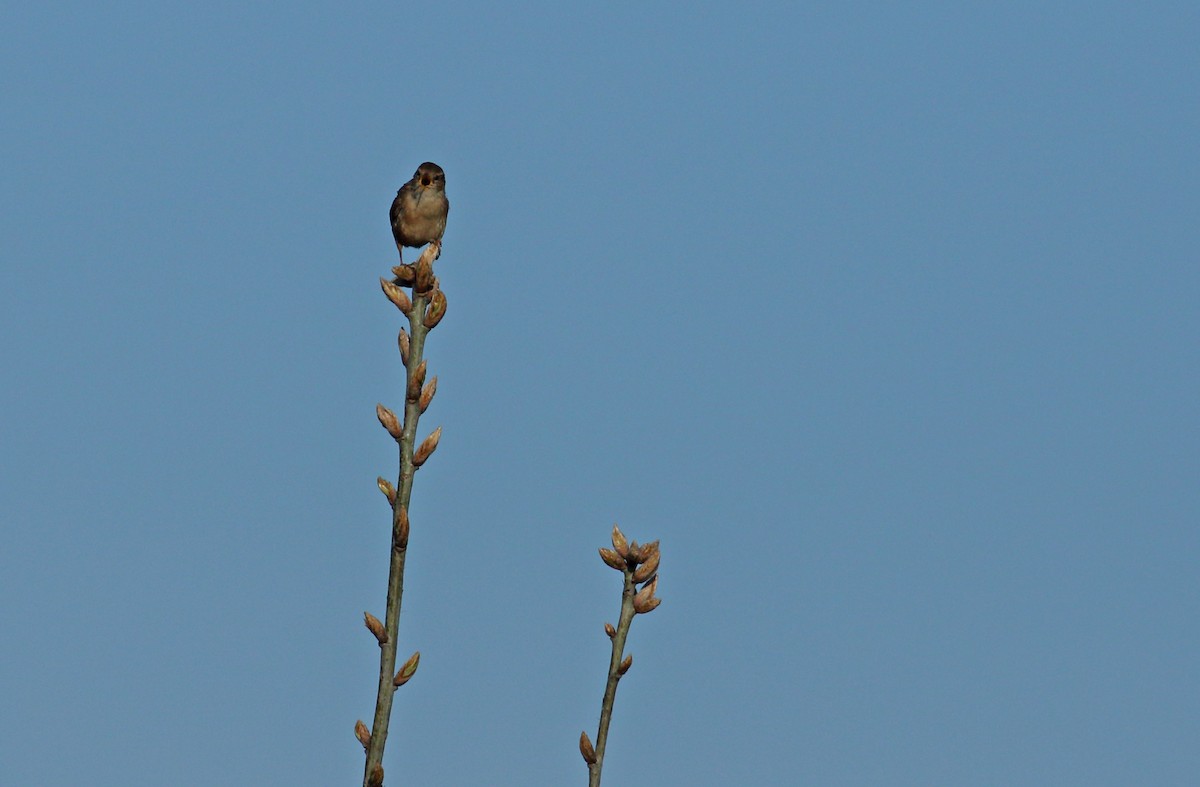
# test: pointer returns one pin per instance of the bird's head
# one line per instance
(429, 177)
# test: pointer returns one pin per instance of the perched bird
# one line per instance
(420, 208)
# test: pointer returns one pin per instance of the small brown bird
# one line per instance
(420, 209)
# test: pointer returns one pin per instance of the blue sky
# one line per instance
(882, 317)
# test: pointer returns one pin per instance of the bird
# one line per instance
(419, 211)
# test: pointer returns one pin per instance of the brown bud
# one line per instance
(427, 447)
(635, 553)
(612, 559)
(619, 543)
(376, 779)
(408, 670)
(649, 550)
(400, 528)
(610, 631)
(388, 490)
(388, 419)
(646, 570)
(362, 733)
(436, 310)
(585, 748)
(424, 278)
(404, 275)
(645, 600)
(648, 606)
(624, 666)
(402, 341)
(427, 394)
(396, 295)
(376, 627)
(416, 381)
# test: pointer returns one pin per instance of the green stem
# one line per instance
(395, 590)
(610, 688)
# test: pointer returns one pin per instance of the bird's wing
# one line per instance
(394, 215)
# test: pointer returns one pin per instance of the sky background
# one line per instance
(883, 317)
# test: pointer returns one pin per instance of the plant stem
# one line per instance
(399, 551)
(610, 688)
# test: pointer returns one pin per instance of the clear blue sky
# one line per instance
(883, 317)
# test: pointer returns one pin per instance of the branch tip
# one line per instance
(619, 543)
(423, 281)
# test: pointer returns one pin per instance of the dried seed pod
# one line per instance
(416, 381)
(645, 600)
(388, 490)
(388, 419)
(619, 543)
(436, 310)
(624, 666)
(403, 342)
(612, 559)
(427, 394)
(396, 295)
(427, 447)
(610, 631)
(362, 733)
(408, 670)
(376, 627)
(586, 749)
(400, 528)
(648, 569)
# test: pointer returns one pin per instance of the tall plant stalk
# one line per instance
(639, 566)
(424, 310)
